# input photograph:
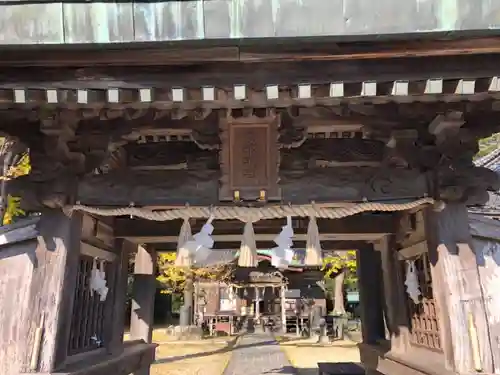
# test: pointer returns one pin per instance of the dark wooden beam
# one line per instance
(100, 123)
(150, 188)
(163, 155)
(161, 188)
(314, 152)
(362, 223)
(325, 245)
(351, 184)
(256, 74)
(193, 52)
(333, 152)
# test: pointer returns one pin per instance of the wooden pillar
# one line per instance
(143, 295)
(124, 248)
(186, 315)
(283, 308)
(38, 261)
(257, 305)
(297, 324)
(395, 311)
(196, 304)
(370, 284)
(457, 290)
(56, 261)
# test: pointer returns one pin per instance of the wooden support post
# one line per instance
(197, 309)
(186, 316)
(56, 261)
(283, 308)
(257, 305)
(143, 295)
(370, 284)
(396, 315)
(124, 248)
(37, 268)
(457, 290)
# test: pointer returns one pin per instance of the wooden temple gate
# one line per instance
(372, 140)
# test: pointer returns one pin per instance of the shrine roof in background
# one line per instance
(68, 22)
(492, 206)
(484, 228)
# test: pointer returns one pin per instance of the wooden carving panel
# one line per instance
(249, 158)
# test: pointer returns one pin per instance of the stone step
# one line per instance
(340, 368)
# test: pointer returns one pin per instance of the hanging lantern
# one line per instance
(411, 282)
(282, 255)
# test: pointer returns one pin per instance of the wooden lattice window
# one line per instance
(88, 322)
(424, 317)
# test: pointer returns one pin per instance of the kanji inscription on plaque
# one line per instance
(249, 158)
(248, 154)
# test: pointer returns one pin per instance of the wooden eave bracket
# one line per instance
(445, 123)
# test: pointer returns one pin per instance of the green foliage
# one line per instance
(333, 264)
(351, 281)
(177, 301)
(13, 206)
(172, 278)
(13, 209)
(22, 167)
(488, 145)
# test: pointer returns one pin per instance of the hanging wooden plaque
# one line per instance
(249, 159)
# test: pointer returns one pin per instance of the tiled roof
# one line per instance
(492, 207)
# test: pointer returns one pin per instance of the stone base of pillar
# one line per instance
(259, 327)
(323, 339)
(323, 334)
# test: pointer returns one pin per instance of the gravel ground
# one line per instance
(304, 354)
(258, 354)
(208, 357)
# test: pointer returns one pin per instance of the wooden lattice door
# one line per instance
(424, 316)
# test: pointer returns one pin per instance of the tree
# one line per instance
(15, 161)
(337, 267)
(173, 278)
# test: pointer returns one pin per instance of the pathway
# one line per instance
(258, 354)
